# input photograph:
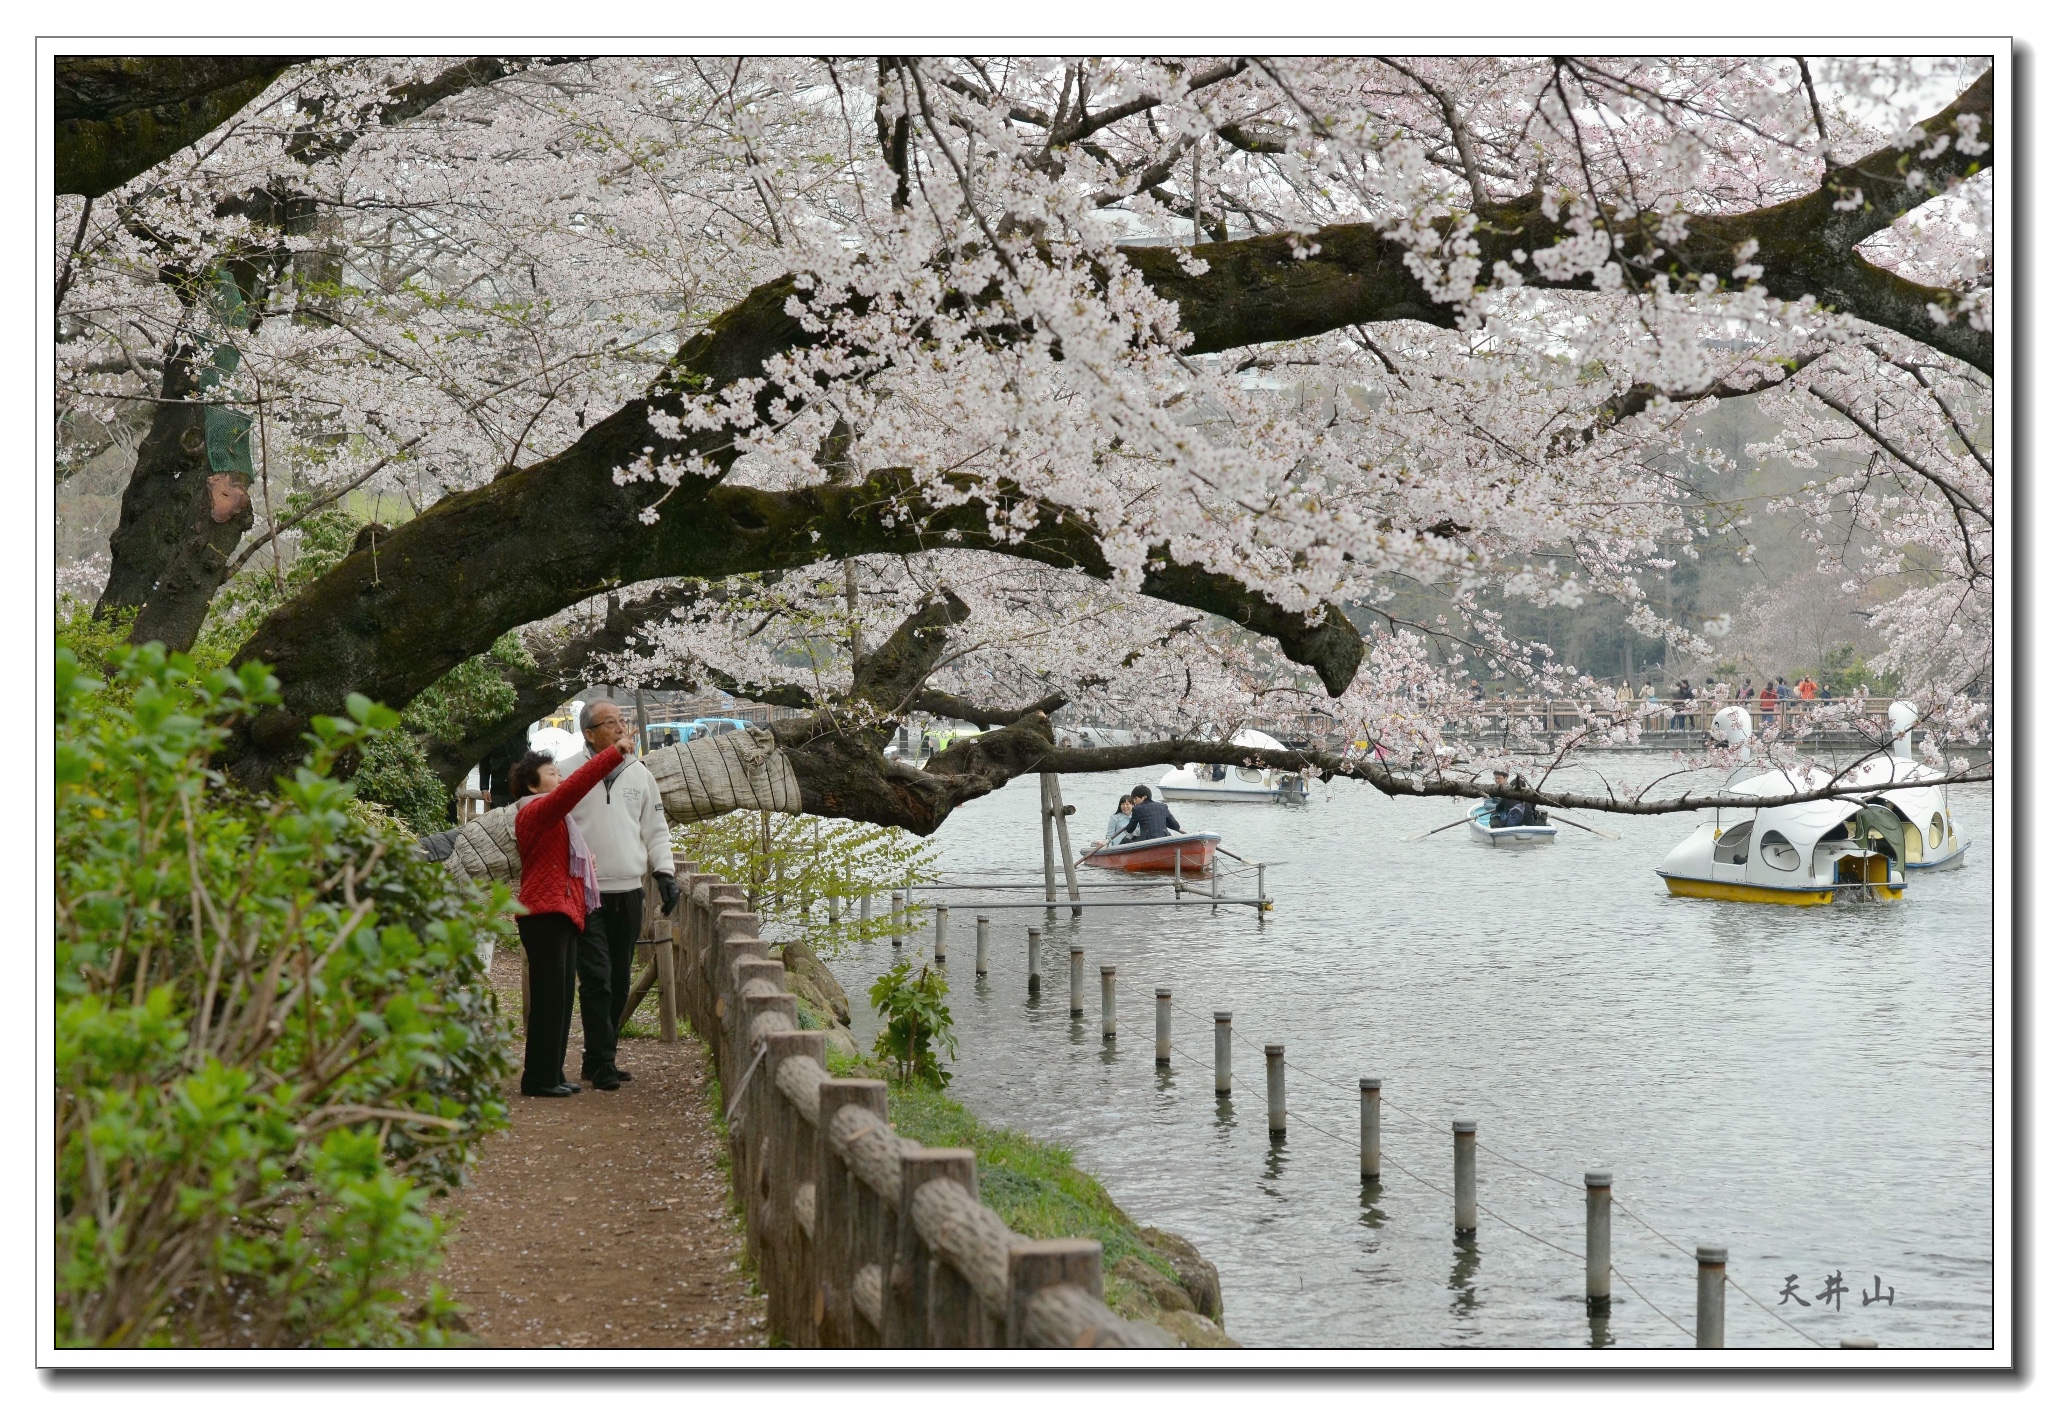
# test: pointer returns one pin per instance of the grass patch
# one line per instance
(1033, 1185)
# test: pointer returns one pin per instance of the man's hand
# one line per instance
(625, 745)
(670, 893)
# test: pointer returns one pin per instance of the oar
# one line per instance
(1438, 830)
(1588, 828)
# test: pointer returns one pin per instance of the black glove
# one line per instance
(670, 893)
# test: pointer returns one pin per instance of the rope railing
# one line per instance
(1294, 1117)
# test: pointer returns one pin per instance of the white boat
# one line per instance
(1926, 838)
(1804, 854)
(1206, 781)
(1514, 836)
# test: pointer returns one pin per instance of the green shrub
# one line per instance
(914, 1020)
(274, 1038)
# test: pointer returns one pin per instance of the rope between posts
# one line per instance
(1684, 1252)
(732, 1108)
(1644, 1300)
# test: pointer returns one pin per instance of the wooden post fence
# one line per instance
(861, 1238)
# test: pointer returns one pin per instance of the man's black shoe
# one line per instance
(560, 1090)
(609, 1083)
(624, 1077)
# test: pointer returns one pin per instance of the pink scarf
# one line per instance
(582, 862)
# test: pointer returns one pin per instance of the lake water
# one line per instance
(1811, 1087)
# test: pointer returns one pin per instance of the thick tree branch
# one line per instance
(117, 117)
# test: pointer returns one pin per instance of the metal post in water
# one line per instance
(1710, 1323)
(1465, 1175)
(895, 917)
(1223, 1053)
(1176, 871)
(866, 906)
(1276, 1092)
(1162, 1026)
(1262, 892)
(1215, 878)
(1108, 1002)
(1031, 944)
(1074, 1010)
(981, 946)
(939, 933)
(1867, 1343)
(1368, 1129)
(832, 909)
(1599, 1236)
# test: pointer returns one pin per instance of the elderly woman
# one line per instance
(557, 887)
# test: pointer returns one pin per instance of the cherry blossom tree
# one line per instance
(1132, 386)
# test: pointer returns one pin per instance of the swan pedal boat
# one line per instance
(1803, 855)
(1514, 836)
(1197, 852)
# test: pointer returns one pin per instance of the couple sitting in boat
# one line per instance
(1138, 816)
(1504, 813)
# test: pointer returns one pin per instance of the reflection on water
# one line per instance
(1810, 1085)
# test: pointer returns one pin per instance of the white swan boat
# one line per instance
(1236, 783)
(1514, 836)
(1803, 854)
(1925, 839)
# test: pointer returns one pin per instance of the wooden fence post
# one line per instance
(916, 1294)
(782, 1147)
(1047, 1263)
(832, 1305)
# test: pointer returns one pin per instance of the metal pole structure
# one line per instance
(1223, 1053)
(1162, 1026)
(1215, 877)
(1045, 808)
(1368, 1129)
(1599, 1237)
(832, 909)
(1465, 1175)
(1276, 1092)
(939, 933)
(1262, 892)
(1031, 939)
(1711, 1322)
(1059, 819)
(866, 906)
(1176, 873)
(1074, 1010)
(981, 946)
(895, 915)
(1108, 1003)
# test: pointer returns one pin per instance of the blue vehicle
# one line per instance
(661, 734)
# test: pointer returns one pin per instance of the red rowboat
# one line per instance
(1197, 852)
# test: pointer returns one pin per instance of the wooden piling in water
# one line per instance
(1465, 1175)
(1162, 1026)
(1059, 819)
(1368, 1129)
(1710, 1320)
(1599, 1237)
(1276, 1092)
(1074, 973)
(1223, 1053)
(1108, 1003)
(1045, 808)
(1031, 944)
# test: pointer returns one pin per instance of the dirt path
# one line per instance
(601, 1220)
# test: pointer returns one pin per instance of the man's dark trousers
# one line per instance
(604, 962)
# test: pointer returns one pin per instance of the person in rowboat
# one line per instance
(1491, 803)
(1150, 819)
(1119, 823)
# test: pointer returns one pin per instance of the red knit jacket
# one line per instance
(544, 881)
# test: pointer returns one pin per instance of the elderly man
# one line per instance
(623, 822)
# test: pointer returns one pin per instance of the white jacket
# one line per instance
(623, 822)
